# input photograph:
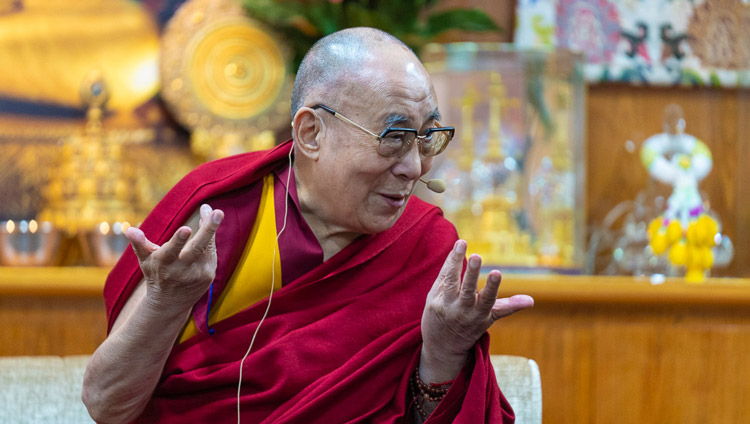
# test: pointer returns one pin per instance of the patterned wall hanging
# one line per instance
(659, 42)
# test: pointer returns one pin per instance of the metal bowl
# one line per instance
(27, 243)
(104, 245)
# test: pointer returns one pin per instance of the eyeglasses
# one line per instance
(397, 141)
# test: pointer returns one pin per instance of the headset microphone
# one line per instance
(435, 185)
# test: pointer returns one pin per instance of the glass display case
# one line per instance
(515, 169)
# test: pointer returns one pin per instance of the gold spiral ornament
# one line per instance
(237, 70)
(222, 71)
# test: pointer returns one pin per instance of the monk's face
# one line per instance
(359, 189)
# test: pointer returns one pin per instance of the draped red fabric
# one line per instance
(339, 343)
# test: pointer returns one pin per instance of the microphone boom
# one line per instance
(434, 185)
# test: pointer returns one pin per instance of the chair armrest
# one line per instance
(521, 383)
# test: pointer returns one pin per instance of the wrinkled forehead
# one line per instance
(398, 64)
(391, 85)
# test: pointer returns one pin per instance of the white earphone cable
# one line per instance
(273, 282)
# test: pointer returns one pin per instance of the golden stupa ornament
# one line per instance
(91, 193)
(497, 103)
(468, 103)
(225, 77)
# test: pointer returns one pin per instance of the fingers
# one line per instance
(471, 277)
(488, 294)
(204, 212)
(508, 305)
(170, 251)
(450, 274)
(141, 245)
(204, 237)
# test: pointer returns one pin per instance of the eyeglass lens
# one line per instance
(394, 142)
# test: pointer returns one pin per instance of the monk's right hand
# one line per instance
(180, 271)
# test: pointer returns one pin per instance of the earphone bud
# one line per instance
(434, 185)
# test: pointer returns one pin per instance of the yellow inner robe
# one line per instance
(251, 280)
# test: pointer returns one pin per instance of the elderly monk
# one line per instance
(371, 316)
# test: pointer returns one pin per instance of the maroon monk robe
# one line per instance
(340, 342)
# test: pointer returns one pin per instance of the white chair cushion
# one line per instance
(42, 389)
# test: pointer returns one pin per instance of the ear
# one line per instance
(308, 130)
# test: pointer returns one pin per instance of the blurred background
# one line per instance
(599, 160)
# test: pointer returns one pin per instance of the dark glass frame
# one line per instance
(451, 131)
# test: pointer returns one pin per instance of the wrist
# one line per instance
(437, 367)
(158, 306)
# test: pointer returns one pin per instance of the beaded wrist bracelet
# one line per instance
(433, 392)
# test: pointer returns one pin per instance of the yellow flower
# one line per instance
(678, 254)
(707, 257)
(674, 232)
(706, 229)
(694, 256)
(692, 234)
(659, 244)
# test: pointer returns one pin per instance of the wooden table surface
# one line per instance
(89, 281)
(610, 349)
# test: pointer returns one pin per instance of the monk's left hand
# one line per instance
(456, 315)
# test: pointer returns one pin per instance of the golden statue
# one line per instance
(487, 220)
(85, 172)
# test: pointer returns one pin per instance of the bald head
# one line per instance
(340, 55)
(345, 186)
